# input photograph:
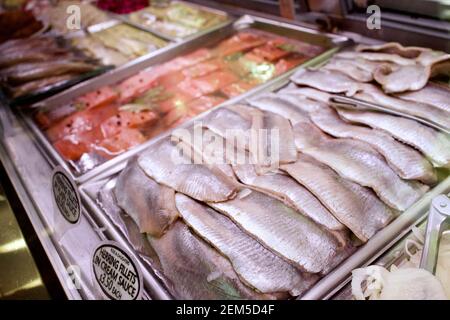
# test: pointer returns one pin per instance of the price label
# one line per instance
(65, 194)
(116, 272)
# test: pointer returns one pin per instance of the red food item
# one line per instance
(178, 100)
(122, 6)
(284, 65)
(139, 84)
(72, 147)
(81, 121)
(190, 59)
(270, 51)
(238, 88)
(203, 68)
(127, 119)
(100, 97)
(204, 103)
(243, 41)
(125, 139)
(214, 81)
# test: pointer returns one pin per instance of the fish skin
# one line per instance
(357, 161)
(46, 69)
(432, 94)
(292, 236)
(326, 80)
(287, 190)
(266, 125)
(310, 93)
(282, 105)
(39, 85)
(256, 266)
(195, 180)
(408, 163)
(353, 205)
(197, 271)
(372, 94)
(394, 48)
(152, 206)
(376, 56)
(358, 69)
(223, 119)
(394, 78)
(433, 144)
(27, 57)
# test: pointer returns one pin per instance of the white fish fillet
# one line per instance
(360, 163)
(150, 205)
(292, 194)
(432, 143)
(432, 94)
(376, 56)
(394, 48)
(281, 105)
(395, 78)
(372, 94)
(195, 180)
(358, 69)
(279, 228)
(407, 162)
(310, 93)
(356, 207)
(257, 266)
(325, 80)
(274, 140)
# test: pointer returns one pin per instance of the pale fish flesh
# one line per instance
(150, 205)
(257, 266)
(433, 94)
(287, 190)
(294, 237)
(273, 138)
(394, 48)
(372, 94)
(310, 93)
(165, 165)
(281, 105)
(356, 207)
(405, 161)
(358, 69)
(432, 143)
(357, 161)
(376, 56)
(197, 271)
(326, 80)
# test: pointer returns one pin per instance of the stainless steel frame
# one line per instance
(126, 19)
(331, 42)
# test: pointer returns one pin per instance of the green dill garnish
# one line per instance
(289, 47)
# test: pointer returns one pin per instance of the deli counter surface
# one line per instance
(197, 150)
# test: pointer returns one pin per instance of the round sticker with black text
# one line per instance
(66, 195)
(116, 272)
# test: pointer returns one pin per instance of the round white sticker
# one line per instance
(66, 196)
(116, 272)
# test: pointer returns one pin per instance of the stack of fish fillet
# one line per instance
(389, 75)
(253, 228)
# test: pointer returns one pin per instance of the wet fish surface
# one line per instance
(258, 267)
(432, 143)
(292, 236)
(354, 206)
(165, 165)
(360, 163)
(405, 161)
(197, 271)
(286, 189)
(432, 94)
(152, 206)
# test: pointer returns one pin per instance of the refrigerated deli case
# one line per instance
(64, 155)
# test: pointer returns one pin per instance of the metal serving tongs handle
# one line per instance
(438, 220)
(338, 101)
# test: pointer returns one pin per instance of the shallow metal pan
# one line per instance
(126, 18)
(332, 43)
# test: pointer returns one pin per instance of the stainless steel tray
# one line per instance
(331, 42)
(126, 18)
(339, 277)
